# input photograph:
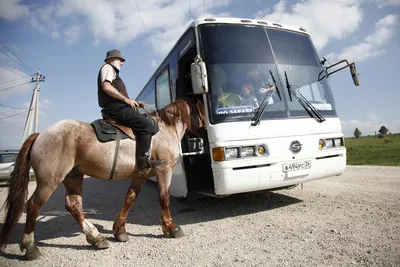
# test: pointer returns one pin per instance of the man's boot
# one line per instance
(143, 153)
(146, 163)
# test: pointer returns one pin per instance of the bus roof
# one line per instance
(201, 21)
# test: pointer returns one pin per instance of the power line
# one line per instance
(26, 65)
(12, 59)
(1, 65)
(8, 88)
(13, 115)
(148, 40)
(12, 107)
(16, 79)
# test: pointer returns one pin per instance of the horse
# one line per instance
(70, 149)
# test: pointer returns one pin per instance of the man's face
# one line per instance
(117, 62)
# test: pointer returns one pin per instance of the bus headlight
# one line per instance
(239, 152)
(218, 153)
(338, 142)
(328, 143)
(232, 153)
(248, 151)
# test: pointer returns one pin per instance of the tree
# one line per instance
(357, 133)
(383, 130)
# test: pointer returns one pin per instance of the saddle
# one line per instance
(106, 130)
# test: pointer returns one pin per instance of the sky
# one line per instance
(67, 41)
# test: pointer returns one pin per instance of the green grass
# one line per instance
(370, 150)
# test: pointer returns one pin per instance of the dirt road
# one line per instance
(351, 220)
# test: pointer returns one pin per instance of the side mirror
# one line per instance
(199, 77)
(354, 74)
(325, 73)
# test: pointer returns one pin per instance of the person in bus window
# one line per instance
(226, 98)
(248, 97)
(254, 78)
(116, 104)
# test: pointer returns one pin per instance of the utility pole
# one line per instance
(33, 114)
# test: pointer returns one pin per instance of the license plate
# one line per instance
(296, 166)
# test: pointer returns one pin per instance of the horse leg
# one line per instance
(120, 220)
(35, 204)
(73, 203)
(169, 228)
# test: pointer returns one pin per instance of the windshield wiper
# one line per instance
(276, 85)
(303, 101)
(260, 111)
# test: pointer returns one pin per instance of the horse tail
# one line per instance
(18, 190)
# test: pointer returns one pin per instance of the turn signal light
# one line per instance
(218, 154)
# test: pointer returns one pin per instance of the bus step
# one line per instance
(208, 192)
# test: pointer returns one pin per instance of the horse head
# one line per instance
(186, 111)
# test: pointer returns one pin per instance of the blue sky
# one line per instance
(68, 39)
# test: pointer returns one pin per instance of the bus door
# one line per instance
(195, 150)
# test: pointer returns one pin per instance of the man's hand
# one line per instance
(265, 90)
(141, 104)
(132, 103)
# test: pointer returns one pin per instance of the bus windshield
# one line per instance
(244, 63)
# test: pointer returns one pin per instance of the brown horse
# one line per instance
(69, 149)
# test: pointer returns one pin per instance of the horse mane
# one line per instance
(178, 111)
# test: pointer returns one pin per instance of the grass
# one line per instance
(371, 150)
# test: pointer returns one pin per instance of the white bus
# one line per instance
(256, 140)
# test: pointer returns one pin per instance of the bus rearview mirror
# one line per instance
(199, 77)
(354, 74)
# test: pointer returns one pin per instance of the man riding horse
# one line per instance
(115, 103)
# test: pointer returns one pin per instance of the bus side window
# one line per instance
(148, 96)
(163, 92)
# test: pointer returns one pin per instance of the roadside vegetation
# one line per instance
(380, 149)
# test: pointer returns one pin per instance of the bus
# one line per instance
(271, 117)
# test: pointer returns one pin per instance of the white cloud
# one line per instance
(369, 126)
(373, 44)
(13, 9)
(318, 17)
(43, 19)
(119, 22)
(72, 34)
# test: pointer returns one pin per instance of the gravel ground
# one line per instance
(351, 220)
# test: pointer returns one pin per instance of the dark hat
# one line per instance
(114, 53)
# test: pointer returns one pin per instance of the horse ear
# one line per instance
(200, 107)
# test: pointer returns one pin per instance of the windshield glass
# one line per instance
(295, 55)
(241, 69)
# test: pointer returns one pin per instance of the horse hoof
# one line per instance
(32, 253)
(174, 233)
(122, 237)
(102, 244)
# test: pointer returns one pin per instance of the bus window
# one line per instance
(147, 96)
(163, 91)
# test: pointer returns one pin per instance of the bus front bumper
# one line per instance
(261, 176)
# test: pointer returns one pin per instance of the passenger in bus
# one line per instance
(254, 78)
(248, 97)
(227, 99)
(115, 103)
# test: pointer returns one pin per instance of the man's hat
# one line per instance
(114, 53)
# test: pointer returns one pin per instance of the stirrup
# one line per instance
(146, 162)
